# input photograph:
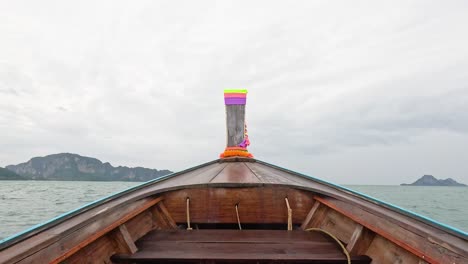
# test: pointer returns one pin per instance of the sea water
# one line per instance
(24, 204)
(447, 205)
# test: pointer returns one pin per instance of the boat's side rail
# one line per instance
(106, 231)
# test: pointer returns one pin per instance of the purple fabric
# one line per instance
(235, 101)
(245, 143)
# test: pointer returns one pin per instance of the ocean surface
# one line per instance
(24, 204)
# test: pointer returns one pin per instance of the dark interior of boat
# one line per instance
(197, 226)
(236, 246)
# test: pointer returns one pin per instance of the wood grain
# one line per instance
(140, 225)
(62, 243)
(384, 251)
(238, 245)
(305, 223)
(166, 215)
(339, 225)
(236, 173)
(360, 240)
(256, 205)
(104, 230)
(99, 251)
(319, 216)
(124, 240)
(235, 120)
(414, 243)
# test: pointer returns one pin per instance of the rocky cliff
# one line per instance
(73, 167)
(429, 180)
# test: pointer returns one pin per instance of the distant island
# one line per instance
(9, 175)
(73, 167)
(429, 180)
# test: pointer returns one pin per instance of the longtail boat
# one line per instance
(237, 209)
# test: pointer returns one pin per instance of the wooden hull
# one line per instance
(148, 224)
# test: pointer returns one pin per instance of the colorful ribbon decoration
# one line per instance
(246, 142)
(237, 97)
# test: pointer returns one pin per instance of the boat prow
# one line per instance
(238, 209)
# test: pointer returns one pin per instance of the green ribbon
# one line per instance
(235, 91)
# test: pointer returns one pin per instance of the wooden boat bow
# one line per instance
(272, 205)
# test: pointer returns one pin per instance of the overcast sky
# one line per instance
(354, 92)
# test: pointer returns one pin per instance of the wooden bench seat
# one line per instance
(233, 246)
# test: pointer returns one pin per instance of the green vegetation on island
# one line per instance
(6, 174)
(73, 167)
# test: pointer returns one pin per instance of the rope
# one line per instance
(348, 257)
(289, 214)
(238, 219)
(188, 214)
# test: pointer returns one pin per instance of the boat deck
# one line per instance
(236, 246)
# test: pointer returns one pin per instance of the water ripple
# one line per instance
(27, 203)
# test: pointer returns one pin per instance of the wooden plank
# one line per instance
(360, 240)
(354, 238)
(166, 215)
(58, 239)
(105, 230)
(414, 243)
(384, 251)
(235, 120)
(319, 216)
(69, 239)
(256, 205)
(158, 222)
(339, 225)
(236, 173)
(219, 250)
(140, 225)
(245, 236)
(270, 175)
(244, 254)
(305, 223)
(161, 219)
(99, 251)
(244, 245)
(123, 239)
(199, 176)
